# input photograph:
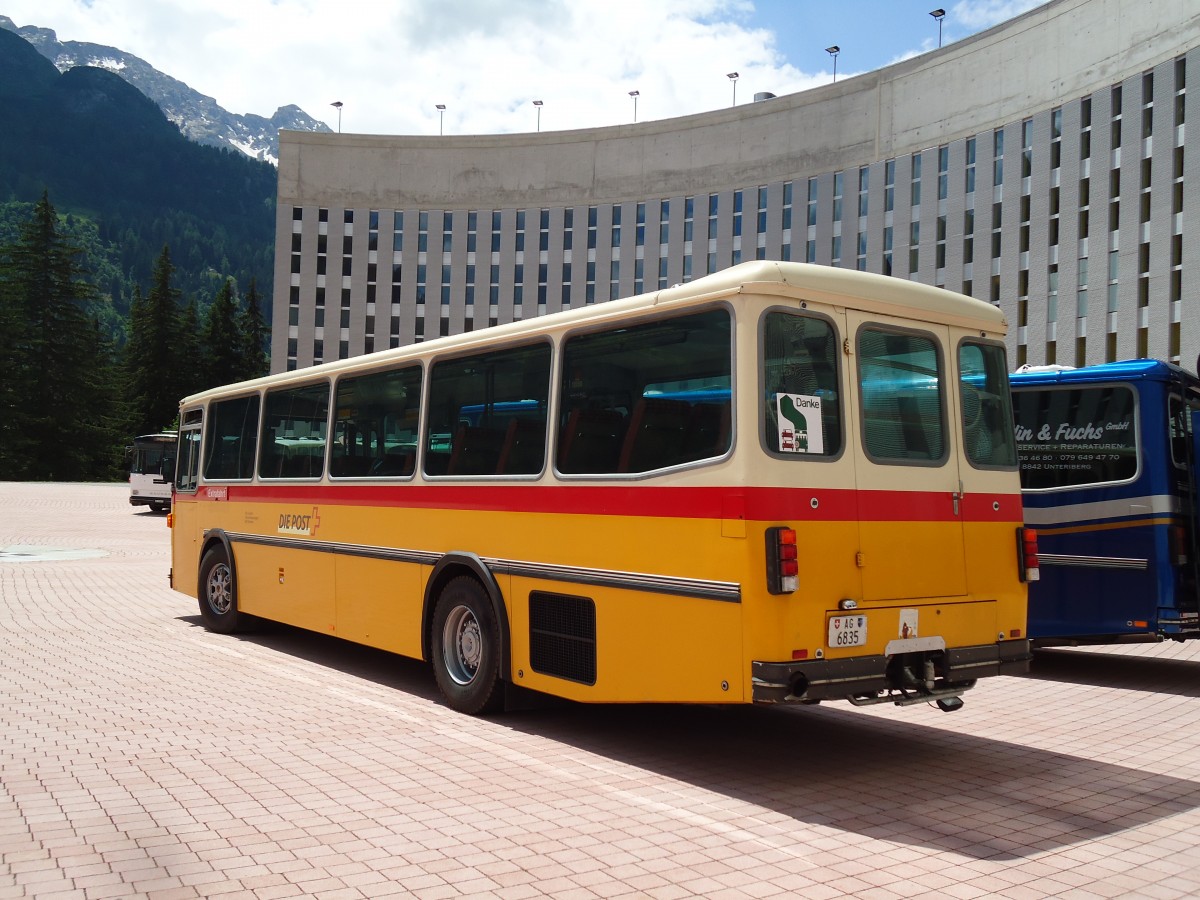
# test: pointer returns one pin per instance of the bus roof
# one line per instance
(1125, 370)
(875, 293)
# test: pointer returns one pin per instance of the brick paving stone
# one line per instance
(141, 755)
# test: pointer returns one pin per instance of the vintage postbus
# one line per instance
(151, 470)
(778, 483)
(1108, 468)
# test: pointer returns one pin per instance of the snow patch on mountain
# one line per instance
(199, 117)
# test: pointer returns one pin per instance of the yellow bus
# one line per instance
(778, 483)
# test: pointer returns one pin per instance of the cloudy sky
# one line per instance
(390, 62)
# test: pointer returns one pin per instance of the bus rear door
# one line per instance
(908, 478)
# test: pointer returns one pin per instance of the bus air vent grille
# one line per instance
(562, 636)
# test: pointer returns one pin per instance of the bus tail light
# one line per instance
(1027, 554)
(1179, 545)
(783, 565)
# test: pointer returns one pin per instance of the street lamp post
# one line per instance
(538, 104)
(733, 76)
(635, 95)
(337, 104)
(834, 51)
(939, 14)
(441, 108)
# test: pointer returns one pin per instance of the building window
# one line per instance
(1027, 148)
(969, 177)
(998, 156)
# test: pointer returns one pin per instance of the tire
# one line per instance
(465, 645)
(160, 505)
(218, 593)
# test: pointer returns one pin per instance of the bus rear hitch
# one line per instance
(948, 699)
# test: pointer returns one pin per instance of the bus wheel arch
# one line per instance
(216, 589)
(465, 633)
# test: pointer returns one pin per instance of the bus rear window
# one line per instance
(1069, 437)
(802, 414)
(986, 405)
(900, 377)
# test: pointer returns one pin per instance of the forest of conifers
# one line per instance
(72, 395)
(135, 267)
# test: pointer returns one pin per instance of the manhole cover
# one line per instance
(16, 553)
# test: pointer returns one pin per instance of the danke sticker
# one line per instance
(799, 417)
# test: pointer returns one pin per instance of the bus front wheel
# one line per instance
(218, 592)
(466, 648)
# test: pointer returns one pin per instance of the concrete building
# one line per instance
(1041, 165)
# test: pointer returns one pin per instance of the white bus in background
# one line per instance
(149, 484)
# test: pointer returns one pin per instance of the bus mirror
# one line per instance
(167, 472)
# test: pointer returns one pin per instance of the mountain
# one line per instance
(105, 152)
(199, 117)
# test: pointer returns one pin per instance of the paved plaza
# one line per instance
(142, 756)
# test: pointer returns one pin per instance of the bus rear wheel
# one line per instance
(466, 648)
(218, 593)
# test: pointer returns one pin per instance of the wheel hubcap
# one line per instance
(462, 645)
(220, 590)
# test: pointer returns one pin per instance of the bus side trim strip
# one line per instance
(1098, 562)
(724, 591)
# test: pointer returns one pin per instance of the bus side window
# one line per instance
(631, 395)
(187, 470)
(473, 402)
(375, 424)
(231, 438)
(1180, 432)
(294, 422)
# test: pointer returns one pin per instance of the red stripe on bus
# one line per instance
(753, 504)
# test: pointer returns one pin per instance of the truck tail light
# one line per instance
(1027, 554)
(783, 561)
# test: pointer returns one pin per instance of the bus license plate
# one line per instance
(847, 631)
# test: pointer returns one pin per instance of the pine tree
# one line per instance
(254, 332)
(191, 380)
(67, 409)
(222, 347)
(16, 374)
(154, 367)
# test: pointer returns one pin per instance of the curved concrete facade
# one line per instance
(1041, 165)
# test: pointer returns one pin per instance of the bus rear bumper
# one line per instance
(911, 678)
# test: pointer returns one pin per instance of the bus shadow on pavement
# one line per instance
(1179, 677)
(385, 669)
(882, 778)
(825, 767)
